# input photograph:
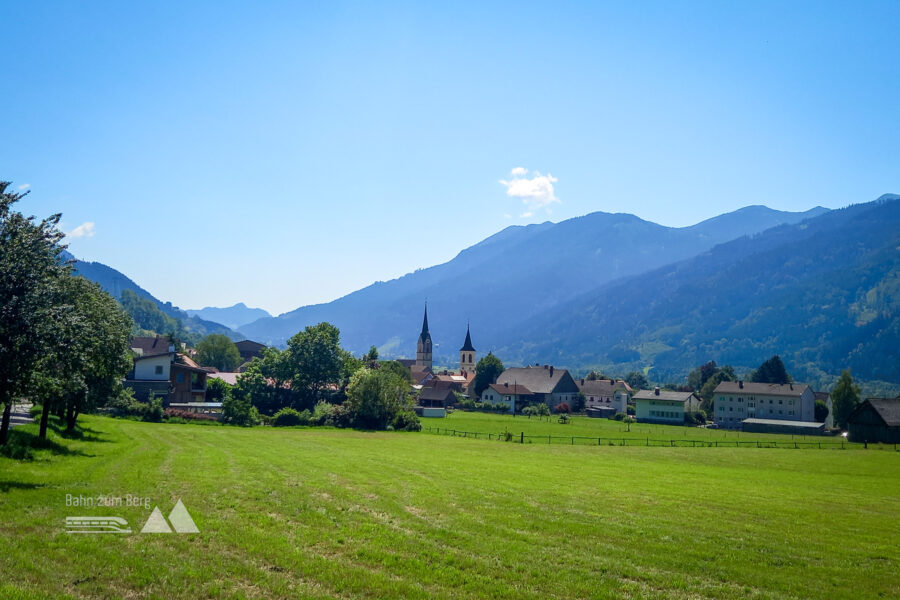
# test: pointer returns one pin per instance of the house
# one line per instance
(735, 401)
(168, 375)
(664, 406)
(547, 384)
(514, 396)
(420, 375)
(142, 345)
(605, 393)
(249, 349)
(433, 400)
(876, 420)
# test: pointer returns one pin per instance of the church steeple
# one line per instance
(423, 346)
(467, 354)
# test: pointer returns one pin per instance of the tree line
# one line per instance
(64, 342)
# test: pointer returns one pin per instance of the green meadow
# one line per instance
(588, 430)
(322, 513)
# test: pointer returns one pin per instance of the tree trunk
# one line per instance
(4, 426)
(71, 415)
(45, 417)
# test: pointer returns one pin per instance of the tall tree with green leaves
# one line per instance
(771, 371)
(216, 350)
(637, 380)
(29, 269)
(844, 398)
(487, 371)
(375, 397)
(316, 359)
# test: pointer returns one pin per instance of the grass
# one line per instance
(318, 513)
(606, 429)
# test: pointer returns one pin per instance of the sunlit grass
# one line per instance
(331, 513)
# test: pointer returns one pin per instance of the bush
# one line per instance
(562, 408)
(340, 416)
(695, 418)
(406, 420)
(286, 417)
(237, 410)
(619, 416)
(321, 414)
(154, 412)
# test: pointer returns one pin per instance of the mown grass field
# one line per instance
(317, 513)
(605, 429)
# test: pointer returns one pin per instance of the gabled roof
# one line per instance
(467, 345)
(436, 393)
(886, 408)
(667, 395)
(229, 378)
(184, 361)
(601, 387)
(420, 373)
(151, 346)
(510, 390)
(249, 345)
(791, 390)
(538, 379)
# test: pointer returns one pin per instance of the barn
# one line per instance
(876, 420)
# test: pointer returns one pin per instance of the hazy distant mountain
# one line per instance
(824, 294)
(232, 316)
(115, 282)
(510, 278)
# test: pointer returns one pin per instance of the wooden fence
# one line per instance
(574, 440)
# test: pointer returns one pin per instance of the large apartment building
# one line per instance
(738, 400)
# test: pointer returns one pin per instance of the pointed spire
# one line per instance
(467, 346)
(425, 322)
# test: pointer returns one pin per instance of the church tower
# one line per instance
(423, 347)
(467, 354)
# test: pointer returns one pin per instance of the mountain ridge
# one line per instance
(546, 262)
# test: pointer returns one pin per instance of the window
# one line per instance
(179, 377)
(158, 369)
(730, 408)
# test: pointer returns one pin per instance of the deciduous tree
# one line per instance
(844, 398)
(487, 371)
(216, 350)
(29, 267)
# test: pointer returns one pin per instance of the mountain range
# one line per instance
(116, 283)
(511, 278)
(232, 316)
(820, 288)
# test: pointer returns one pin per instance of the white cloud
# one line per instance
(536, 192)
(86, 229)
(24, 187)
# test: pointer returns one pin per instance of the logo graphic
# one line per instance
(97, 525)
(180, 519)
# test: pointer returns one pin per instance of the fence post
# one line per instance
(648, 442)
(573, 440)
(598, 442)
(522, 438)
(548, 440)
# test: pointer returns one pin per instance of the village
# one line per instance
(173, 376)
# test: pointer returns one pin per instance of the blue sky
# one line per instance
(283, 154)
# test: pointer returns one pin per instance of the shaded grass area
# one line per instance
(326, 513)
